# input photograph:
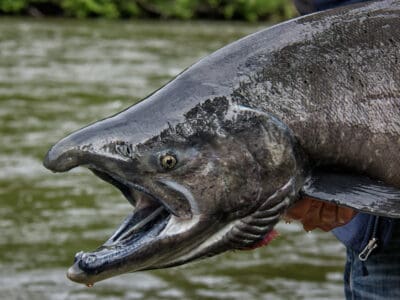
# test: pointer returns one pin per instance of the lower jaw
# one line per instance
(77, 275)
(94, 266)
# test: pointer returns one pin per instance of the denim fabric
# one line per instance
(357, 233)
(377, 278)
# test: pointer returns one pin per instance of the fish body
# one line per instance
(211, 161)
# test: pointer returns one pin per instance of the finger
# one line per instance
(299, 209)
(328, 216)
(311, 220)
(309, 226)
(344, 215)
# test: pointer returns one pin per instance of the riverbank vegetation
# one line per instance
(249, 10)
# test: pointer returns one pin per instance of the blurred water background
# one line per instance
(55, 77)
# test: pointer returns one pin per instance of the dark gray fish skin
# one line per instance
(247, 124)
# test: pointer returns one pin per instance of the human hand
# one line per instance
(318, 214)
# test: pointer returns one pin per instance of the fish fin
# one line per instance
(356, 191)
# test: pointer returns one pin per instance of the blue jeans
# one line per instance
(377, 278)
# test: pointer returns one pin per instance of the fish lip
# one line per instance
(124, 256)
(125, 246)
(75, 273)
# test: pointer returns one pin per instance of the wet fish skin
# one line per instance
(249, 125)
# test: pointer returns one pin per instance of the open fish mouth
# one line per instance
(142, 228)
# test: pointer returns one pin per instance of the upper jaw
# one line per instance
(129, 189)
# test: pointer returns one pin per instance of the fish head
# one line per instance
(216, 178)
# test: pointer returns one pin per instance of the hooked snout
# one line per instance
(132, 126)
(61, 158)
(89, 145)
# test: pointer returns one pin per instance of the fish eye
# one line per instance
(168, 161)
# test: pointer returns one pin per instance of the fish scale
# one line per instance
(306, 108)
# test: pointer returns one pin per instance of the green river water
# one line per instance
(55, 77)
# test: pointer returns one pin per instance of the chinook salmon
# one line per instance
(211, 161)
